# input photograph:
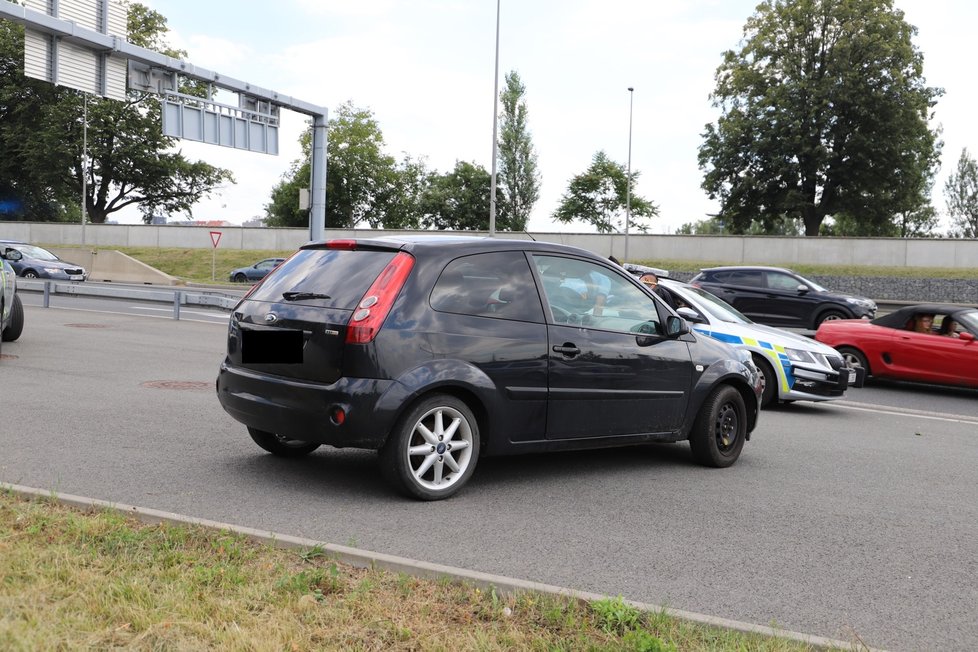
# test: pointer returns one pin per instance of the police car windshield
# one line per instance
(718, 308)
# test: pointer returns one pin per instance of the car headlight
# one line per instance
(797, 355)
(52, 270)
(865, 303)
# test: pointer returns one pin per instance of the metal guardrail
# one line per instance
(182, 296)
(176, 296)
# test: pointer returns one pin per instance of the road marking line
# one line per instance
(895, 411)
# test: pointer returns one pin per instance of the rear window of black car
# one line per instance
(498, 284)
(342, 275)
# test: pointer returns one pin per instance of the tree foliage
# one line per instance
(364, 184)
(519, 177)
(458, 200)
(130, 162)
(824, 112)
(600, 196)
(961, 196)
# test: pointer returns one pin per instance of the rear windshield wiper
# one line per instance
(295, 296)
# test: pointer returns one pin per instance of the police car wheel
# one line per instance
(769, 380)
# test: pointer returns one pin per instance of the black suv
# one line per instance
(780, 297)
(435, 350)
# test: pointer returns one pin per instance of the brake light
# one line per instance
(372, 310)
(345, 245)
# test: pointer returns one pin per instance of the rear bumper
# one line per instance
(304, 410)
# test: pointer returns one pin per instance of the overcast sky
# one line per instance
(426, 70)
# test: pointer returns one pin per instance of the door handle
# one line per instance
(567, 349)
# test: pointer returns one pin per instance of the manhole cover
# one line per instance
(5, 356)
(177, 384)
(87, 325)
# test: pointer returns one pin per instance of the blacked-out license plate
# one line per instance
(271, 347)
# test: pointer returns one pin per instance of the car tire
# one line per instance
(416, 455)
(830, 315)
(855, 358)
(768, 378)
(282, 446)
(720, 429)
(240, 278)
(16, 325)
(30, 273)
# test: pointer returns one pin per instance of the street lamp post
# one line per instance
(628, 191)
(495, 123)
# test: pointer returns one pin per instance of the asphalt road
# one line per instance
(843, 520)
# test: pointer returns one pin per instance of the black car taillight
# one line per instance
(372, 310)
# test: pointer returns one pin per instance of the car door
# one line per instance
(788, 301)
(933, 358)
(611, 370)
(746, 290)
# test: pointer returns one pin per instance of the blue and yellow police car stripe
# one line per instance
(774, 352)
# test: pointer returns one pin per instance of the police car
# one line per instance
(11, 309)
(794, 367)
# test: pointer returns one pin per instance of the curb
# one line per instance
(424, 570)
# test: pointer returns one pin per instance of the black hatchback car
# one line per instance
(781, 297)
(436, 350)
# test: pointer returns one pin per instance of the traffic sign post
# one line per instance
(215, 239)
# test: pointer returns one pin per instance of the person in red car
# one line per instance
(922, 323)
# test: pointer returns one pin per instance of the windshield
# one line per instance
(968, 319)
(30, 251)
(718, 308)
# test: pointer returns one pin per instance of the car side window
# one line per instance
(583, 293)
(746, 278)
(266, 264)
(779, 281)
(498, 284)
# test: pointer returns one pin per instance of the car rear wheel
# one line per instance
(720, 430)
(432, 451)
(16, 325)
(830, 315)
(854, 358)
(281, 446)
(769, 380)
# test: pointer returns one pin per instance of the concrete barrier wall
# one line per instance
(115, 266)
(891, 252)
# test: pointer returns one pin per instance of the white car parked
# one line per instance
(793, 367)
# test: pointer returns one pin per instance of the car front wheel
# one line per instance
(854, 358)
(720, 429)
(830, 315)
(432, 451)
(769, 380)
(281, 446)
(16, 325)
(240, 278)
(30, 274)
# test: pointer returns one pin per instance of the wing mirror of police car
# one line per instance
(690, 315)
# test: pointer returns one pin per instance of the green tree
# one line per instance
(130, 162)
(599, 196)
(961, 196)
(824, 111)
(519, 177)
(363, 183)
(458, 200)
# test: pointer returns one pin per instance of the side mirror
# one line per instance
(966, 336)
(803, 289)
(690, 315)
(676, 326)
(12, 254)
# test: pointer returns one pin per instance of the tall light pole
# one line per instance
(495, 124)
(84, 179)
(628, 191)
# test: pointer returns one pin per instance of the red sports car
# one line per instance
(929, 343)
